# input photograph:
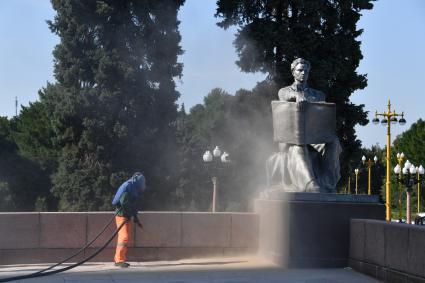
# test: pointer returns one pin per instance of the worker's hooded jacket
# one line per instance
(127, 196)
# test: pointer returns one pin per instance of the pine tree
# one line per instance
(114, 102)
(273, 33)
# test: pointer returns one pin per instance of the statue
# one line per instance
(308, 157)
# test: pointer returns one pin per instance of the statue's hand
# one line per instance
(301, 104)
(321, 147)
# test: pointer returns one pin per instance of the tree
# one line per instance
(114, 102)
(21, 179)
(273, 33)
(239, 124)
(377, 171)
(412, 144)
(34, 138)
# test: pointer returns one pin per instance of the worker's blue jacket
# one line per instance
(127, 196)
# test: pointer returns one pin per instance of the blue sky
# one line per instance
(393, 46)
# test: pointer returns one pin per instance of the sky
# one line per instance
(393, 46)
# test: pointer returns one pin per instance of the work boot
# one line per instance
(122, 264)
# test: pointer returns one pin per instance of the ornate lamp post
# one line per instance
(356, 171)
(408, 177)
(390, 117)
(214, 162)
(369, 163)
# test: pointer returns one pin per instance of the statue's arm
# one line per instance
(321, 96)
(284, 95)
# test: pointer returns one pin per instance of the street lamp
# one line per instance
(215, 161)
(369, 163)
(356, 171)
(390, 117)
(408, 177)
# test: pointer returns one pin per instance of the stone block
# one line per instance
(396, 246)
(310, 230)
(416, 254)
(235, 252)
(31, 256)
(394, 276)
(370, 269)
(415, 279)
(160, 229)
(355, 264)
(244, 232)
(19, 230)
(206, 229)
(382, 274)
(374, 242)
(322, 241)
(357, 239)
(185, 253)
(96, 221)
(63, 230)
(137, 254)
(273, 235)
(144, 254)
(106, 255)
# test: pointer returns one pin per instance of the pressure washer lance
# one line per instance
(43, 271)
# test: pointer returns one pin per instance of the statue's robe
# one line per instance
(305, 167)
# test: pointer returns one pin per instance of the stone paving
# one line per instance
(209, 270)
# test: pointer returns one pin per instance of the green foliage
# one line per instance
(34, 136)
(377, 171)
(6, 201)
(21, 179)
(113, 105)
(239, 124)
(273, 33)
(412, 144)
(112, 109)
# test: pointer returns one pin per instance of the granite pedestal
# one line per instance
(308, 230)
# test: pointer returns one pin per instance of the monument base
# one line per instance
(308, 230)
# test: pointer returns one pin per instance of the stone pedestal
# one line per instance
(306, 230)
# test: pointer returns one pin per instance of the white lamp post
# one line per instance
(409, 176)
(219, 158)
(356, 171)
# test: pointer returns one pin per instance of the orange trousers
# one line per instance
(124, 236)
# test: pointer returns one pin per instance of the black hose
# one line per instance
(81, 250)
(37, 274)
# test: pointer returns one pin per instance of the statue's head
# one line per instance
(300, 69)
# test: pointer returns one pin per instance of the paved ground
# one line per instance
(211, 270)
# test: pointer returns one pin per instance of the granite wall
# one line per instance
(389, 251)
(51, 237)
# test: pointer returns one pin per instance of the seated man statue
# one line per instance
(304, 167)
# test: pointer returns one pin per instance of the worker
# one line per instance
(125, 201)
